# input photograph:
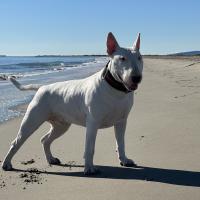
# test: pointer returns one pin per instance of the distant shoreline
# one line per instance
(95, 55)
(84, 55)
(179, 57)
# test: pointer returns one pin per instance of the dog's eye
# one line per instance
(122, 58)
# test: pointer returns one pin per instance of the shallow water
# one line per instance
(40, 70)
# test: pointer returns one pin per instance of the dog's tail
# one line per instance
(24, 87)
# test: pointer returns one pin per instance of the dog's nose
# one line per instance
(136, 79)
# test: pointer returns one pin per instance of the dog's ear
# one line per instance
(111, 44)
(136, 45)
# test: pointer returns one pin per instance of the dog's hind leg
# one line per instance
(30, 123)
(56, 131)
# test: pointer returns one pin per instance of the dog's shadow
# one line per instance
(169, 176)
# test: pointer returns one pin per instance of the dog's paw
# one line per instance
(90, 171)
(128, 163)
(54, 161)
(7, 166)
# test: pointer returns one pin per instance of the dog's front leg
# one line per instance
(91, 132)
(120, 129)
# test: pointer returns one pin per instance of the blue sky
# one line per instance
(31, 27)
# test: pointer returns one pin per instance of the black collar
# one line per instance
(112, 81)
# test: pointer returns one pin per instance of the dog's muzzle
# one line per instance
(135, 81)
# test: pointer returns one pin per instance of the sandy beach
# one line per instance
(162, 137)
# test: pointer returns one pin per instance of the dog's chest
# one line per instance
(110, 111)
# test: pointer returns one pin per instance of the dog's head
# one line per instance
(126, 64)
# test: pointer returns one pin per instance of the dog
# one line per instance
(99, 101)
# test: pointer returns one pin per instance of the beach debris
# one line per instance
(72, 164)
(32, 175)
(141, 137)
(28, 162)
(33, 170)
(2, 184)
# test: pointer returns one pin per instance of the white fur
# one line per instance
(89, 102)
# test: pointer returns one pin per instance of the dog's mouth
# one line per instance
(136, 80)
(133, 86)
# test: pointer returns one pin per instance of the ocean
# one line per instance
(40, 70)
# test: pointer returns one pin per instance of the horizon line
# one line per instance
(97, 54)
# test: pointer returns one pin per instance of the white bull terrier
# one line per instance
(99, 101)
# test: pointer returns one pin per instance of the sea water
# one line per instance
(40, 70)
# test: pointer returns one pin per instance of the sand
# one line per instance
(162, 137)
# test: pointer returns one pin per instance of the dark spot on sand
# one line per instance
(28, 162)
(2, 184)
(141, 137)
(33, 170)
(32, 175)
(71, 164)
(23, 175)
